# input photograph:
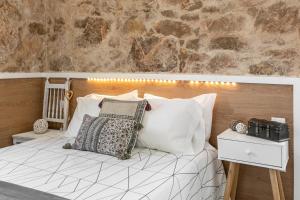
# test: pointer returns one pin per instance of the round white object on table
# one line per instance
(40, 126)
(241, 128)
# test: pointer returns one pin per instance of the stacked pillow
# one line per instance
(172, 125)
(90, 105)
(114, 132)
(206, 102)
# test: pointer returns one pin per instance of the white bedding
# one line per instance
(42, 164)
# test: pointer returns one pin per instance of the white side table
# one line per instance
(27, 136)
(242, 149)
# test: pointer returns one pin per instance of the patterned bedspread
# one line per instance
(43, 165)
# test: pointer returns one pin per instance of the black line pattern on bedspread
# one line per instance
(84, 175)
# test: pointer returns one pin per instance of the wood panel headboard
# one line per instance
(21, 103)
(242, 101)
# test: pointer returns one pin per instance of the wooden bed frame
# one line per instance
(242, 101)
(22, 105)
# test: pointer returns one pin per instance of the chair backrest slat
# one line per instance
(61, 104)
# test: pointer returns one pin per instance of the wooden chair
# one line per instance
(56, 102)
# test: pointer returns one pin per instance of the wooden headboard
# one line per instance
(242, 101)
(21, 103)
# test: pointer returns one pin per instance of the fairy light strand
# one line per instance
(161, 81)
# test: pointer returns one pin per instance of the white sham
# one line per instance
(206, 101)
(171, 125)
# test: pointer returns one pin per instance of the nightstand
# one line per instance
(24, 137)
(242, 149)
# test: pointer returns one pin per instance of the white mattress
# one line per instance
(42, 164)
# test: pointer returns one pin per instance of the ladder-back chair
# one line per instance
(56, 102)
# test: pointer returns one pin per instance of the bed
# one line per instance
(43, 165)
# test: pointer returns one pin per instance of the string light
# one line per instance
(160, 81)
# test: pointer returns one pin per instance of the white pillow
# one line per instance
(171, 126)
(90, 105)
(207, 102)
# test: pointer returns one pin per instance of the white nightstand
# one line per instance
(24, 137)
(242, 149)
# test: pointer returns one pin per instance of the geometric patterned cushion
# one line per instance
(110, 136)
(121, 109)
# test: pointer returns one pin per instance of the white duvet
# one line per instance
(43, 165)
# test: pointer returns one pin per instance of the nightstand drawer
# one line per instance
(21, 140)
(260, 154)
(27, 136)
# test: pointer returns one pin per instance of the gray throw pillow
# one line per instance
(124, 109)
(111, 136)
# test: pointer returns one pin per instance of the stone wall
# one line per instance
(23, 36)
(234, 37)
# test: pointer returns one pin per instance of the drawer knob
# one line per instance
(248, 152)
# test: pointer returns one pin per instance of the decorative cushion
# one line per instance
(132, 110)
(89, 105)
(111, 136)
